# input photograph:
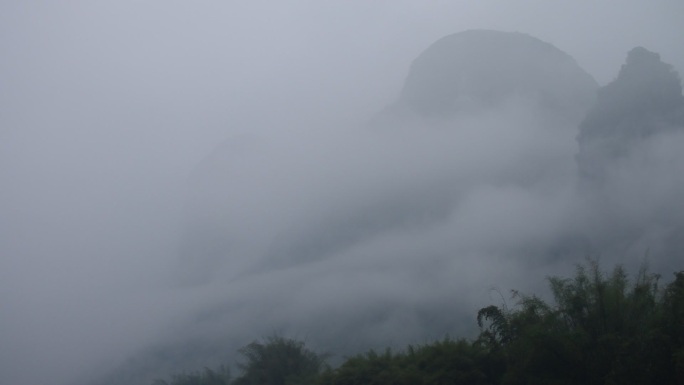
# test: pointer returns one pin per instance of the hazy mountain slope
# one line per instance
(644, 101)
(363, 237)
(472, 79)
(630, 161)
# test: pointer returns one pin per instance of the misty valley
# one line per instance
(341, 193)
(500, 159)
(601, 329)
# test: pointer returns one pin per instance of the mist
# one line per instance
(179, 179)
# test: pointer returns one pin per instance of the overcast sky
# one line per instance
(107, 107)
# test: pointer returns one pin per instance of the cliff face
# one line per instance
(645, 100)
(629, 163)
(482, 69)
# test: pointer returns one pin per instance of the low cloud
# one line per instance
(128, 249)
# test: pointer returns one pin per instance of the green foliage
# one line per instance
(601, 329)
(279, 361)
(442, 362)
(369, 368)
(205, 377)
(673, 324)
(498, 332)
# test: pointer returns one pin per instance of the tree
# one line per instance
(673, 324)
(601, 329)
(221, 376)
(448, 361)
(279, 361)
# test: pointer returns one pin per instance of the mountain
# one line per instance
(479, 69)
(629, 163)
(500, 161)
(486, 76)
(645, 100)
(382, 235)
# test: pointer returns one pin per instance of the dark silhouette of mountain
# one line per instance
(645, 100)
(479, 69)
(629, 164)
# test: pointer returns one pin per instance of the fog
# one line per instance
(181, 178)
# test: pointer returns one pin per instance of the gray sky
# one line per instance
(106, 108)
